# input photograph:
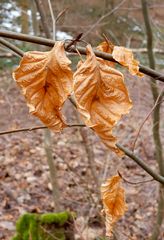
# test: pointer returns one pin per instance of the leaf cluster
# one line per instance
(101, 96)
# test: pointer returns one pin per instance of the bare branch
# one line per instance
(7, 55)
(144, 50)
(35, 128)
(38, 40)
(142, 164)
(53, 20)
(12, 47)
(147, 116)
(104, 16)
(134, 183)
(61, 14)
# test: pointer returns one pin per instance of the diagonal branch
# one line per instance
(47, 42)
(12, 47)
(158, 101)
(141, 163)
(103, 17)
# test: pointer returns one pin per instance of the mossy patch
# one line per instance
(48, 226)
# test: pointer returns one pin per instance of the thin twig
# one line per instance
(146, 118)
(134, 183)
(8, 55)
(104, 16)
(144, 50)
(73, 41)
(12, 47)
(142, 164)
(82, 60)
(43, 41)
(53, 19)
(36, 128)
(61, 14)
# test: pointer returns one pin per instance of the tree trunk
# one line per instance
(24, 16)
(52, 169)
(47, 133)
(45, 25)
(156, 121)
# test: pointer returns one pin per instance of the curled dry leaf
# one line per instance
(113, 198)
(125, 57)
(107, 47)
(46, 81)
(101, 97)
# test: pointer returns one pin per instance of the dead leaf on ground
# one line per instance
(46, 82)
(113, 198)
(101, 96)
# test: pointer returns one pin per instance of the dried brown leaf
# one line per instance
(102, 97)
(107, 47)
(113, 198)
(46, 82)
(125, 57)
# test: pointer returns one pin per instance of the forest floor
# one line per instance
(24, 174)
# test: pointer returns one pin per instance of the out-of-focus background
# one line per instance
(81, 160)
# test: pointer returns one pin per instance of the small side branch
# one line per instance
(142, 164)
(158, 101)
(35, 128)
(16, 50)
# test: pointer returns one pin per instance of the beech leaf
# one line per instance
(113, 198)
(101, 97)
(107, 47)
(46, 81)
(125, 57)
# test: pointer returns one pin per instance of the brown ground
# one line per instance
(24, 175)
